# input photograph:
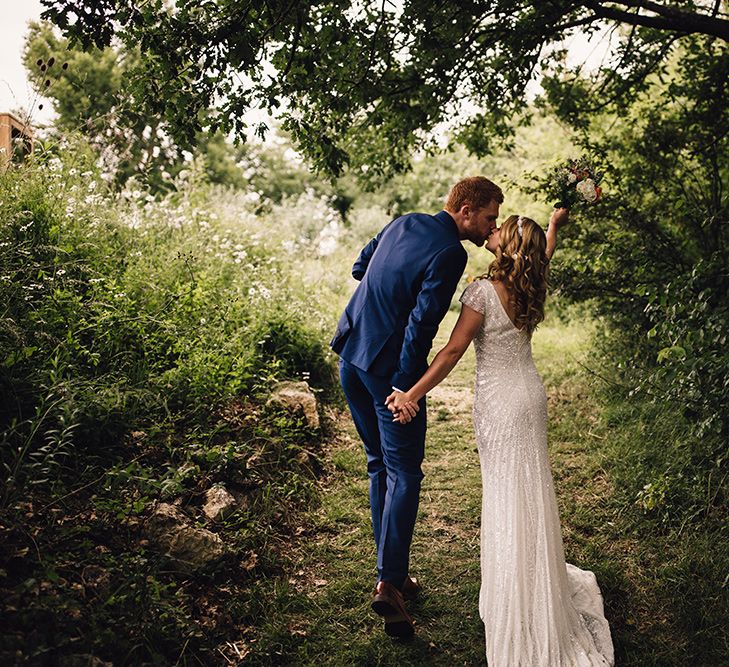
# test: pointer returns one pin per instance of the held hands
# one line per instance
(402, 407)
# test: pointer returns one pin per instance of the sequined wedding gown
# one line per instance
(538, 611)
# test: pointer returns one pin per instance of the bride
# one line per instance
(537, 610)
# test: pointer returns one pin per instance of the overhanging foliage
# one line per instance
(365, 83)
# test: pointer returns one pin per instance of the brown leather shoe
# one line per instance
(411, 588)
(388, 602)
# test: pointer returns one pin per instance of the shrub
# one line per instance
(121, 310)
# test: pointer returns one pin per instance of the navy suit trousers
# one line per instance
(394, 456)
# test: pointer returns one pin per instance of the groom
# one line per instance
(408, 274)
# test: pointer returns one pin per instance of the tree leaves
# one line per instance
(339, 69)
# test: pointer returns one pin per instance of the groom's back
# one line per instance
(404, 250)
(413, 254)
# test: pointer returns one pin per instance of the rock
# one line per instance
(165, 517)
(218, 503)
(298, 397)
(194, 548)
(189, 546)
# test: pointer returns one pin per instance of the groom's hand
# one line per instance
(403, 409)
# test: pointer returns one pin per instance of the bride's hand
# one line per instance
(403, 409)
(559, 217)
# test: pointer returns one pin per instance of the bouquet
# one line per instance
(573, 184)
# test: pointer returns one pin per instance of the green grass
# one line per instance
(318, 611)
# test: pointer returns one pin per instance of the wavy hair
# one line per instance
(522, 264)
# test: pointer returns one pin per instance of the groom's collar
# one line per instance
(448, 220)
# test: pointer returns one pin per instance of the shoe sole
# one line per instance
(396, 623)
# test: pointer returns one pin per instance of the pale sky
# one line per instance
(15, 91)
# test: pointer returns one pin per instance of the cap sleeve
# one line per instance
(474, 296)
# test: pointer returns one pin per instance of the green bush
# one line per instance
(651, 258)
(121, 311)
(139, 341)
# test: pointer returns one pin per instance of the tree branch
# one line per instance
(669, 19)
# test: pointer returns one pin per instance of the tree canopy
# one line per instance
(365, 83)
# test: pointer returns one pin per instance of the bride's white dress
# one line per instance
(538, 611)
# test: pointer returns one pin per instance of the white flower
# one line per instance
(202, 320)
(587, 189)
(571, 177)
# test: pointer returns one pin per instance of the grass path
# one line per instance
(318, 612)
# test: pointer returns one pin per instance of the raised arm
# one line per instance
(467, 326)
(558, 218)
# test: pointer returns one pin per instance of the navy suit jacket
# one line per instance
(408, 275)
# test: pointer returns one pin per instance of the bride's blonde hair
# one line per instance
(522, 264)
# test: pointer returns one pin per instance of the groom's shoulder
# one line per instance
(419, 221)
(418, 215)
(428, 231)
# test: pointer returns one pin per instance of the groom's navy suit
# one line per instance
(408, 274)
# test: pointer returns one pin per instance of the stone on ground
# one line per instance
(190, 547)
(297, 397)
(218, 503)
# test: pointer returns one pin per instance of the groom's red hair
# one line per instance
(477, 191)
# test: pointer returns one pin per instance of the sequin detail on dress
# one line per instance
(538, 611)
